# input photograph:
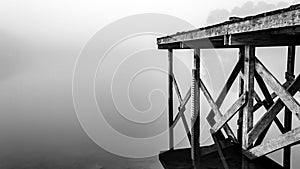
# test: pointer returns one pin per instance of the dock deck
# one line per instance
(180, 159)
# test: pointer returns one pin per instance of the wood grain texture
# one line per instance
(283, 18)
(274, 84)
(237, 105)
(269, 116)
(272, 145)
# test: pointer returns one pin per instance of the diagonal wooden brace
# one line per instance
(281, 141)
(285, 96)
(269, 116)
(216, 110)
(229, 113)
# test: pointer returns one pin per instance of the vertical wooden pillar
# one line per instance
(195, 96)
(288, 114)
(241, 91)
(170, 99)
(249, 67)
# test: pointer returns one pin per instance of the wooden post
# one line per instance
(288, 114)
(241, 91)
(195, 120)
(249, 67)
(170, 100)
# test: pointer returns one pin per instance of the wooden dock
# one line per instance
(275, 28)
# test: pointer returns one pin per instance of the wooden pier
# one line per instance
(244, 150)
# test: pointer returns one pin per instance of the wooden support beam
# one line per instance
(241, 91)
(177, 89)
(182, 108)
(195, 120)
(225, 90)
(273, 95)
(249, 67)
(272, 145)
(267, 104)
(215, 108)
(211, 115)
(288, 115)
(170, 99)
(269, 116)
(210, 100)
(186, 128)
(285, 96)
(229, 113)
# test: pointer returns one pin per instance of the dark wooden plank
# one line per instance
(241, 91)
(170, 99)
(288, 115)
(177, 89)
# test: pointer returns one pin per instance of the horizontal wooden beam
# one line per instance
(269, 116)
(229, 113)
(283, 18)
(272, 145)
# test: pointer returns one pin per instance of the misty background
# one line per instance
(39, 43)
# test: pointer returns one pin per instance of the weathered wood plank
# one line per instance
(186, 128)
(265, 21)
(210, 100)
(286, 97)
(267, 104)
(211, 115)
(241, 91)
(215, 108)
(269, 116)
(272, 145)
(182, 108)
(288, 115)
(177, 89)
(249, 67)
(237, 105)
(273, 95)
